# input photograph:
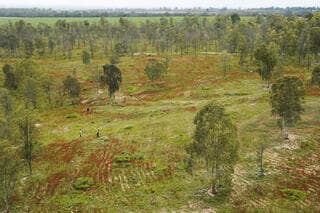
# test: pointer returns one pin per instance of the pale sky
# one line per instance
(101, 4)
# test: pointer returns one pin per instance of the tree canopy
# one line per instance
(85, 57)
(154, 69)
(286, 100)
(315, 79)
(215, 140)
(10, 81)
(268, 60)
(112, 77)
(71, 86)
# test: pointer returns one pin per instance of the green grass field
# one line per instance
(151, 126)
(53, 20)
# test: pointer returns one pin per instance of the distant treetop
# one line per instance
(125, 12)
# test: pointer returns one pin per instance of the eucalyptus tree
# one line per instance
(10, 165)
(215, 140)
(85, 57)
(225, 62)
(30, 92)
(47, 83)
(10, 78)
(286, 101)
(71, 86)
(268, 59)
(40, 45)
(28, 134)
(315, 79)
(112, 78)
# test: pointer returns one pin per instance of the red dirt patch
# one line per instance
(191, 109)
(62, 151)
(54, 182)
(313, 91)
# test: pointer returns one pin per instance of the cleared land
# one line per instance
(139, 162)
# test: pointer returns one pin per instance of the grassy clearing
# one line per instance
(139, 164)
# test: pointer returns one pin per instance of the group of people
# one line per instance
(81, 132)
(97, 134)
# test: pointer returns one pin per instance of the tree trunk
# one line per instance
(308, 61)
(49, 95)
(214, 185)
(285, 129)
(29, 157)
(261, 171)
(206, 50)
(30, 167)
(5, 189)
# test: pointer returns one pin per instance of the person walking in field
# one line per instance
(98, 133)
(80, 133)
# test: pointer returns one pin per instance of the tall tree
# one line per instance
(28, 48)
(268, 60)
(40, 44)
(28, 134)
(9, 171)
(6, 103)
(31, 92)
(10, 79)
(286, 100)
(315, 79)
(225, 62)
(215, 140)
(71, 86)
(6, 124)
(85, 57)
(112, 78)
(47, 83)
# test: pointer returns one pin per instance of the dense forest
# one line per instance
(192, 103)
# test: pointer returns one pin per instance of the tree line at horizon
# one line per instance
(294, 39)
(156, 12)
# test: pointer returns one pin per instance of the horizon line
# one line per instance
(154, 8)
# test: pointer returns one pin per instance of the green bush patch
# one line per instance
(126, 157)
(123, 158)
(128, 127)
(294, 194)
(83, 183)
(72, 115)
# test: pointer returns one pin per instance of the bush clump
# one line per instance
(126, 157)
(294, 194)
(122, 158)
(72, 115)
(83, 183)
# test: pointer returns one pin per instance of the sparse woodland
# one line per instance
(201, 112)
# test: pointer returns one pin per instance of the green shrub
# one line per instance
(83, 183)
(138, 156)
(131, 89)
(126, 157)
(73, 201)
(128, 127)
(307, 145)
(72, 115)
(123, 158)
(294, 194)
